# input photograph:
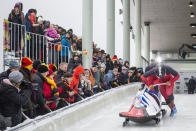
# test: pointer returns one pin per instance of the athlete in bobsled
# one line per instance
(161, 74)
(146, 105)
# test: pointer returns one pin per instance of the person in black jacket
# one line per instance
(65, 92)
(14, 97)
(123, 77)
(15, 18)
(62, 70)
(74, 62)
(192, 85)
(39, 100)
(13, 66)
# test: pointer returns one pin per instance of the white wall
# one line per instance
(182, 66)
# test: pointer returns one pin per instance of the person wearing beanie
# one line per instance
(114, 58)
(65, 90)
(53, 69)
(36, 63)
(39, 78)
(50, 89)
(13, 66)
(13, 97)
(26, 66)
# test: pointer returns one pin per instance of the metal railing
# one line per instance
(145, 63)
(20, 43)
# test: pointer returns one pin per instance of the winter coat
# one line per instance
(15, 18)
(5, 74)
(123, 79)
(64, 92)
(28, 24)
(109, 77)
(76, 78)
(26, 73)
(11, 101)
(59, 81)
(73, 64)
(65, 47)
(109, 66)
(40, 98)
(92, 77)
(51, 92)
(86, 87)
(192, 84)
(164, 70)
(98, 77)
(51, 33)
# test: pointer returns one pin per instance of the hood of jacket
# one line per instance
(77, 71)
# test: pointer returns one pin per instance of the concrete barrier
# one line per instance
(75, 114)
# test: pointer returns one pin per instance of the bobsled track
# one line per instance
(101, 113)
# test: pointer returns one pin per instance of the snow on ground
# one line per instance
(109, 120)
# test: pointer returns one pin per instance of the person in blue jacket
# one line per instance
(65, 49)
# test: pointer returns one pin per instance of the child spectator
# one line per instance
(65, 91)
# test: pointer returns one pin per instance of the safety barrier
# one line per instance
(66, 117)
(145, 62)
(20, 43)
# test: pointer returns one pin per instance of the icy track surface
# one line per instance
(109, 120)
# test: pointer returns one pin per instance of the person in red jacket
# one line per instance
(50, 90)
(75, 82)
(167, 75)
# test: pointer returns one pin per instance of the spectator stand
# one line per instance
(20, 43)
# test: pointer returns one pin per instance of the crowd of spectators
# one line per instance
(33, 88)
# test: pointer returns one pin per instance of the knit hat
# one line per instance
(115, 58)
(16, 5)
(120, 60)
(16, 77)
(124, 68)
(26, 63)
(13, 65)
(52, 67)
(130, 71)
(42, 68)
(36, 63)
